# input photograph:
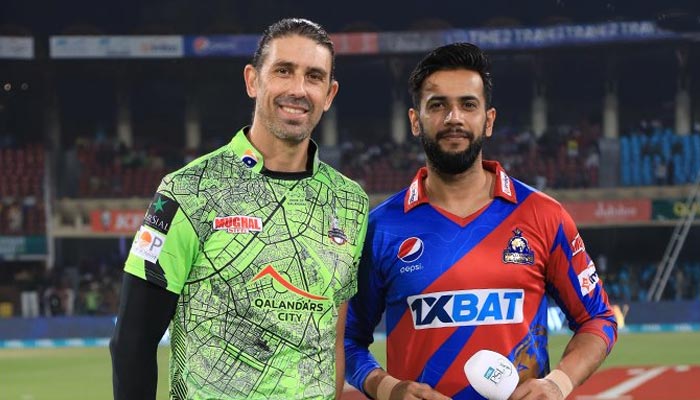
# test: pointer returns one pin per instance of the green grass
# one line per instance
(85, 373)
(63, 374)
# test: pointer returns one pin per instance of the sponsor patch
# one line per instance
(577, 245)
(238, 224)
(410, 250)
(518, 250)
(505, 184)
(467, 308)
(588, 279)
(413, 192)
(147, 244)
(160, 213)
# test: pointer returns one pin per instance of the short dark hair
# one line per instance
(293, 26)
(450, 57)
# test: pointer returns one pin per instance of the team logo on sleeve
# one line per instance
(238, 224)
(518, 250)
(336, 234)
(249, 158)
(160, 213)
(577, 245)
(588, 279)
(148, 244)
(410, 250)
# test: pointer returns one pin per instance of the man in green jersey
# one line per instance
(249, 252)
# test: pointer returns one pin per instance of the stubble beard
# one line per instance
(297, 133)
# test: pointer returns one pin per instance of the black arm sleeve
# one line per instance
(145, 310)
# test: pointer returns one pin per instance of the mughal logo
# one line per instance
(237, 224)
(285, 309)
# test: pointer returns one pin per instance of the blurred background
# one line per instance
(598, 105)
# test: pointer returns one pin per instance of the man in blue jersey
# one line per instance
(464, 258)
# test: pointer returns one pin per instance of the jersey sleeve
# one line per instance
(364, 313)
(573, 282)
(164, 246)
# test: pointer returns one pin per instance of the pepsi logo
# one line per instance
(410, 250)
(200, 44)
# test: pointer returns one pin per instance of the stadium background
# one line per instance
(597, 105)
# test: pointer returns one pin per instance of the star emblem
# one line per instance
(158, 204)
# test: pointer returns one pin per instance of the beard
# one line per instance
(452, 163)
(288, 130)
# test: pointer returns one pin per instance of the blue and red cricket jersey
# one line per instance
(451, 286)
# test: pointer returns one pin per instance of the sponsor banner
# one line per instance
(176, 46)
(16, 48)
(549, 36)
(605, 211)
(356, 43)
(156, 46)
(410, 42)
(245, 45)
(116, 221)
(526, 38)
(669, 209)
(58, 327)
(662, 312)
(221, 45)
(22, 247)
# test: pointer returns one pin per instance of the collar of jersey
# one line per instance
(241, 146)
(417, 195)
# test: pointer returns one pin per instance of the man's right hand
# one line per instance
(414, 390)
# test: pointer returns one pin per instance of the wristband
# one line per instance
(562, 380)
(386, 385)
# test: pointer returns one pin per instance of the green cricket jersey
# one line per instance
(261, 262)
